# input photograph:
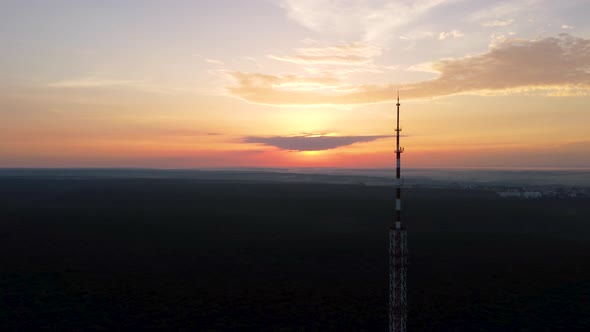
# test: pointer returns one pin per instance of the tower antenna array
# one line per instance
(398, 251)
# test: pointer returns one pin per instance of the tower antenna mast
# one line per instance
(398, 250)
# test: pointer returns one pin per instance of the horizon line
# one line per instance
(507, 168)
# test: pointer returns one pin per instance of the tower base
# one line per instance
(398, 261)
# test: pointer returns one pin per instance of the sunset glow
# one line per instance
(290, 83)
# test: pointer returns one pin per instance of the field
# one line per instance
(197, 255)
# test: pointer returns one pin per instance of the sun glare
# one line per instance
(311, 153)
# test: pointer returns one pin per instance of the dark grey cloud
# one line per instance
(310, 143)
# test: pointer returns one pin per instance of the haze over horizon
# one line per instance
(286, 83)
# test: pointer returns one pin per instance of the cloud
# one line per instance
(417, 35)
(93, 82)
(310, 142)
(504, 11)
(450, 34)
(555, 63)
(259, 83)
(565, 26)
(498, 23)
(342, 54)
(425, 67)
(214, 61)
(97, 82)
(339, 60)
(375, 19)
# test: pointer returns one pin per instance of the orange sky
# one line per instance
(294, 84)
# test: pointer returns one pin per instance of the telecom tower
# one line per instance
(398, 252)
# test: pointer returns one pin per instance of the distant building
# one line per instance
(532, 194)
(510, 194)
(519, 194)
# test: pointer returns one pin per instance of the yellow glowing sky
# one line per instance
(291, 83)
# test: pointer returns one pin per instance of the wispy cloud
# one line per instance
(503, 13)
(310, 142)
(560, 63)
(337, 60)
(282, 82)
(417, 35)
(426, 67)
(375, 20)
(341, 54)
(99, 82)
(214, 61)
(450, 34)
(94, 82)
(498, 23)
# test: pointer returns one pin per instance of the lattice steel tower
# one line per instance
(398, 252)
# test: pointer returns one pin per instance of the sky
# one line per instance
(294, 83)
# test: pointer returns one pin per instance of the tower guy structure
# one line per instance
(398, 252)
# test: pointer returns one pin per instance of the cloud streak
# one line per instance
(342, 54)
(310, 143)
(93, 82)
(557, 63)
(97, 82)
(499, 13)
(376, 19)
(451, 34)
(277, 82)
(498, 23)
